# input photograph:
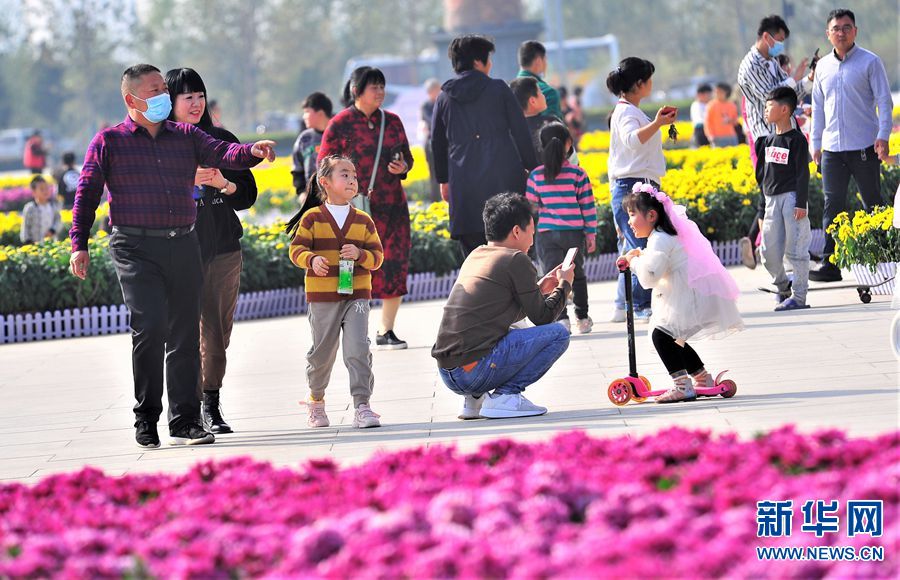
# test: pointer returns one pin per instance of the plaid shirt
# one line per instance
(758, 75)
(150, 181)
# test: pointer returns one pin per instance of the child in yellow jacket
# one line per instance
(339, 247)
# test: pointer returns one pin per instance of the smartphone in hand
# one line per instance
(396, 153)
(569, 259)
(814, 60)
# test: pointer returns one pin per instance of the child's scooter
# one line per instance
(637, 388)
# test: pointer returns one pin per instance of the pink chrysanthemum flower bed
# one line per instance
(679, 503)
(14, 199)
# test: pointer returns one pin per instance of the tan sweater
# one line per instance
(496, 287)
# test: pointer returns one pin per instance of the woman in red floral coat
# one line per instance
(354, 132)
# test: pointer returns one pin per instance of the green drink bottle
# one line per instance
(345, 277)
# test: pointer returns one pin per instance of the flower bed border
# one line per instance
(103, 320)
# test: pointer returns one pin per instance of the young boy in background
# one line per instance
(40, 218)
(721, 117)
(783, 175)
(698, 115)
(534, 105)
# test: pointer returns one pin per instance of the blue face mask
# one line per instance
(158, 107)
(776, 49)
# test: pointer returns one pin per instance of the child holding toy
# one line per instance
(694, 297)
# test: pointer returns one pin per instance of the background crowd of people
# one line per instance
(483, 137)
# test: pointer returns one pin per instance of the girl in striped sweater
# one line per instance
(339, 247)
(567, 215)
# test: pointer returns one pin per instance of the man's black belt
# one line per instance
(155, 232)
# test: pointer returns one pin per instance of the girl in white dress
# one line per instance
(694, 297)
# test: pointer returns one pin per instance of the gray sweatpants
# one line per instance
(327, 319)
(786, 237)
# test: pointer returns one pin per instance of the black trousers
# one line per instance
(161, 282)
(551, 251)
(676, 358)
(837, 168)
(468, 242)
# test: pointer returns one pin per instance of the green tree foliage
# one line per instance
(60, 60)
(692, 37)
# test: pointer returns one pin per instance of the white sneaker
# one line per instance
(565, 323)
(365, 417)
(509, 406)
(619, 315)
(471, 408)
(584, 325)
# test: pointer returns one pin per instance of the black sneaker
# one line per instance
(826, 273)
(145, 434)
(211, 413)
(191, 434)
(389, 341)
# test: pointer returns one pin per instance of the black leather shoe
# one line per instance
(826, 273)
(145, 434)
(212, 413)
(192, 434)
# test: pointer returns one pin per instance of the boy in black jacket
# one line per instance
(783, 175)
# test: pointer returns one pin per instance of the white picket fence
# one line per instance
(101, 320)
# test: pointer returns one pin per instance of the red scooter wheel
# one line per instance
(730, 388)
(619, 392)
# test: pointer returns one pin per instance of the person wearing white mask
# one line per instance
(758, 74)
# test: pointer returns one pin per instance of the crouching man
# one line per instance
(479, 356)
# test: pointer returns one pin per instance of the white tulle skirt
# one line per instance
(683, 314)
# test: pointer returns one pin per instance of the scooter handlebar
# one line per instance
(622, 264)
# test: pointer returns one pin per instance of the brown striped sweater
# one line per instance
(319, 235)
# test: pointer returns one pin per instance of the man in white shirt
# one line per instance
(851, 126)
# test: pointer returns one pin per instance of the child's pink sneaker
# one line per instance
(365, 417)
(678, 393)
(317, 416)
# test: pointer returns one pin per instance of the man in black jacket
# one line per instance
(480, 139)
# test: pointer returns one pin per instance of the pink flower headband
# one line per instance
(705, 272)
(643, 187)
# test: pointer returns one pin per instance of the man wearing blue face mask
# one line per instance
(148, 165)
(758, 74)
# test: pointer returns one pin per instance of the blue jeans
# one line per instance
(627, 241)
(519, 359)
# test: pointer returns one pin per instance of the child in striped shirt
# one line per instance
(567, 216)
(329, 238)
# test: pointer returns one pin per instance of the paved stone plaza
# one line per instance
(67, 404)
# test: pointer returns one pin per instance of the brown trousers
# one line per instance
(221, 282)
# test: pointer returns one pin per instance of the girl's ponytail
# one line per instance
(315, 193)
(313, 199)
(554, 137)
(614, 82)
